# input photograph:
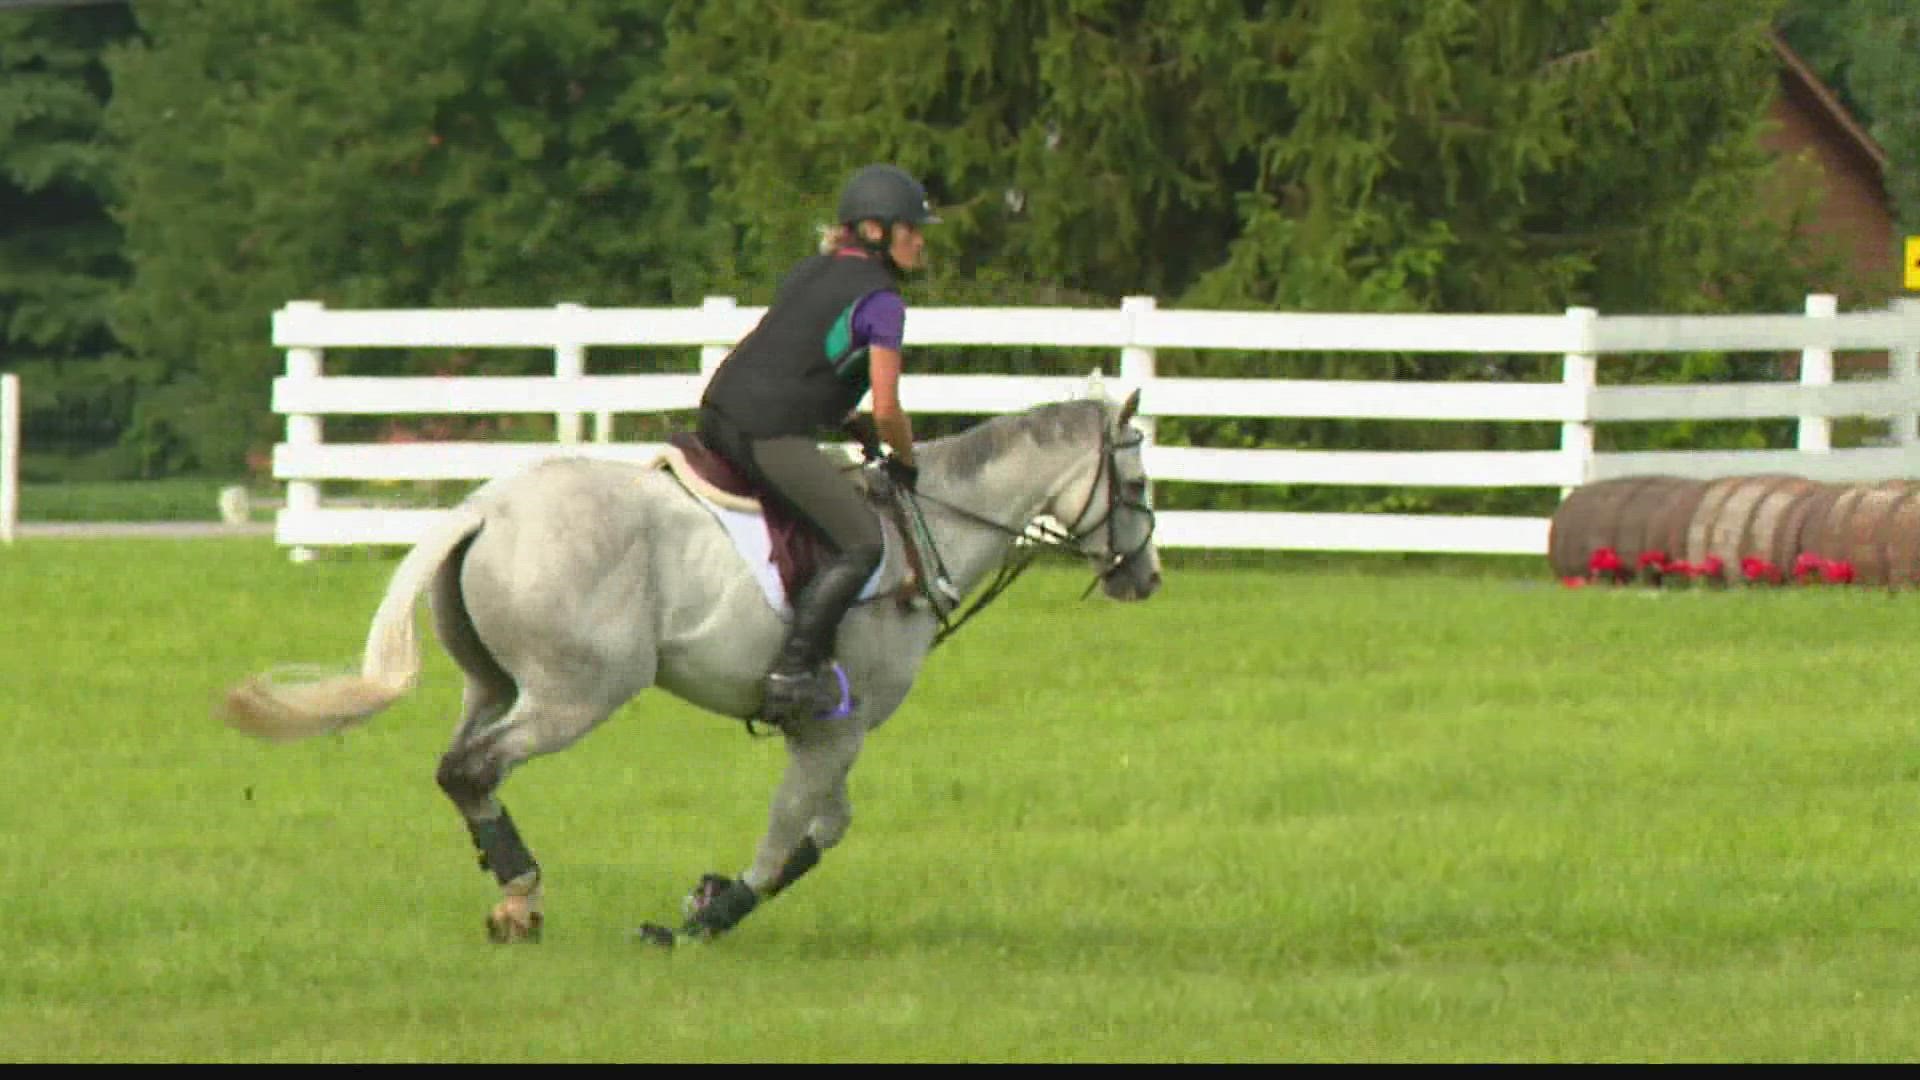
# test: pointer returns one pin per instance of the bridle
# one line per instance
(1036, 536)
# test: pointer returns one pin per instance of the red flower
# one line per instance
(1711, 567)
(1650, 566)
(1759, 571)
(1606, 561)
(1682, 568)
(1807, 565)
(1837, 571)
(1574, 582)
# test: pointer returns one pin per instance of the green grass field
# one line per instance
(1314, 811)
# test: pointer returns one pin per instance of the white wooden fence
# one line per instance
(9, 456)
(1135, 331)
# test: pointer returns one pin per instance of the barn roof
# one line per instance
(1796, 71)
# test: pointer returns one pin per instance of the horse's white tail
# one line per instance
(274, 709)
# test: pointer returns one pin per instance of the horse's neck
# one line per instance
(1010, 491)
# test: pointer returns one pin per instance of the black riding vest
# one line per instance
(797, 373)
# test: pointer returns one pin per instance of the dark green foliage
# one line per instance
(61, 255)
(1884, 45)
(499, 153)
(1378, 155)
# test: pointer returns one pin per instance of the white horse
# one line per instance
(566, 590)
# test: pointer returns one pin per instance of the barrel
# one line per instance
(1667, 529)
(1591, 518)
(1868, 528)
(1778, 521)
(1700, 529)
(1903, 544)
(1826, 533)
(1812, 516)
(1731, 533)
(1639, 527)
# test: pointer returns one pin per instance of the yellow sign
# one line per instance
(1913, 263)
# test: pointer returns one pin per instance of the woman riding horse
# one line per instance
(521, 572)
(833, 331)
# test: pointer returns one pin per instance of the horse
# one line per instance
(565, 590)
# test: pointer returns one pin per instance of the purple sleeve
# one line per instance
(880, 319)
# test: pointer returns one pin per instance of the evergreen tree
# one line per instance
(1427, 154)
(1500, 155)
(60, 251)
(1822, 32)
(438, 153)
(1885, 43)
(1078, 148)
(1515, 155)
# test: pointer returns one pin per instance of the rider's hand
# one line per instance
(865, 432)
(901, 473)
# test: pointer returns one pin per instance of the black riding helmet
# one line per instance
(886, 193)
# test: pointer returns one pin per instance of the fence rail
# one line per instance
(1135, 332)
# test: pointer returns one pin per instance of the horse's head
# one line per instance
(1113, 523)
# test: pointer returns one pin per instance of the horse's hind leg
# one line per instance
(471, 772)
(464, 774)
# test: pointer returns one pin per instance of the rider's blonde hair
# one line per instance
(835, 237)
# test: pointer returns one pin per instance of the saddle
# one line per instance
(797, 550)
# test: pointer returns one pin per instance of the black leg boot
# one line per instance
(798, 686)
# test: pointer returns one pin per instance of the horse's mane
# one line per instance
(962, 456)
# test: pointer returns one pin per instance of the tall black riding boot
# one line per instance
(799, 686)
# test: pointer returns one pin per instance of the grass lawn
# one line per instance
(1312, 810)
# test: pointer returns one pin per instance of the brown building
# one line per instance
(1828, 150)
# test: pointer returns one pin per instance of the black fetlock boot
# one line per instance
(799, 685)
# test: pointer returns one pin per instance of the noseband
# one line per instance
(1075, 537)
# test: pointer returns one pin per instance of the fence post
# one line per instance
(715, 308)
(1816, 369)
(1903, 368)
(1579, 371)
(569, 363)
(303, 496)
(9, 456)
(1137, 371)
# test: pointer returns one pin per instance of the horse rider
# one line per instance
(832, 333)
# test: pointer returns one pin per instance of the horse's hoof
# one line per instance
(512, 924)
(655, 934)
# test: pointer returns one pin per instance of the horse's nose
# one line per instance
(1153, 583)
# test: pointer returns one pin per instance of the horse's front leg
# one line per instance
(811, 809)
(811, 812)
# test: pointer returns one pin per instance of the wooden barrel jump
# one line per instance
(1874, 527)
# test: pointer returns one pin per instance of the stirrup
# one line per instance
(825, 693)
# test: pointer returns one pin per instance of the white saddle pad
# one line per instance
(749, 534)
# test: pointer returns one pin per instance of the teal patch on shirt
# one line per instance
(849, 363)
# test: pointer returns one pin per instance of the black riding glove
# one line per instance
(901, 473)
(866, 433)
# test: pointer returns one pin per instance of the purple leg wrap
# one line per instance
(845, 708)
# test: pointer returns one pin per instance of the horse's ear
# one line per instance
(1096, 389)
(1132, 406)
